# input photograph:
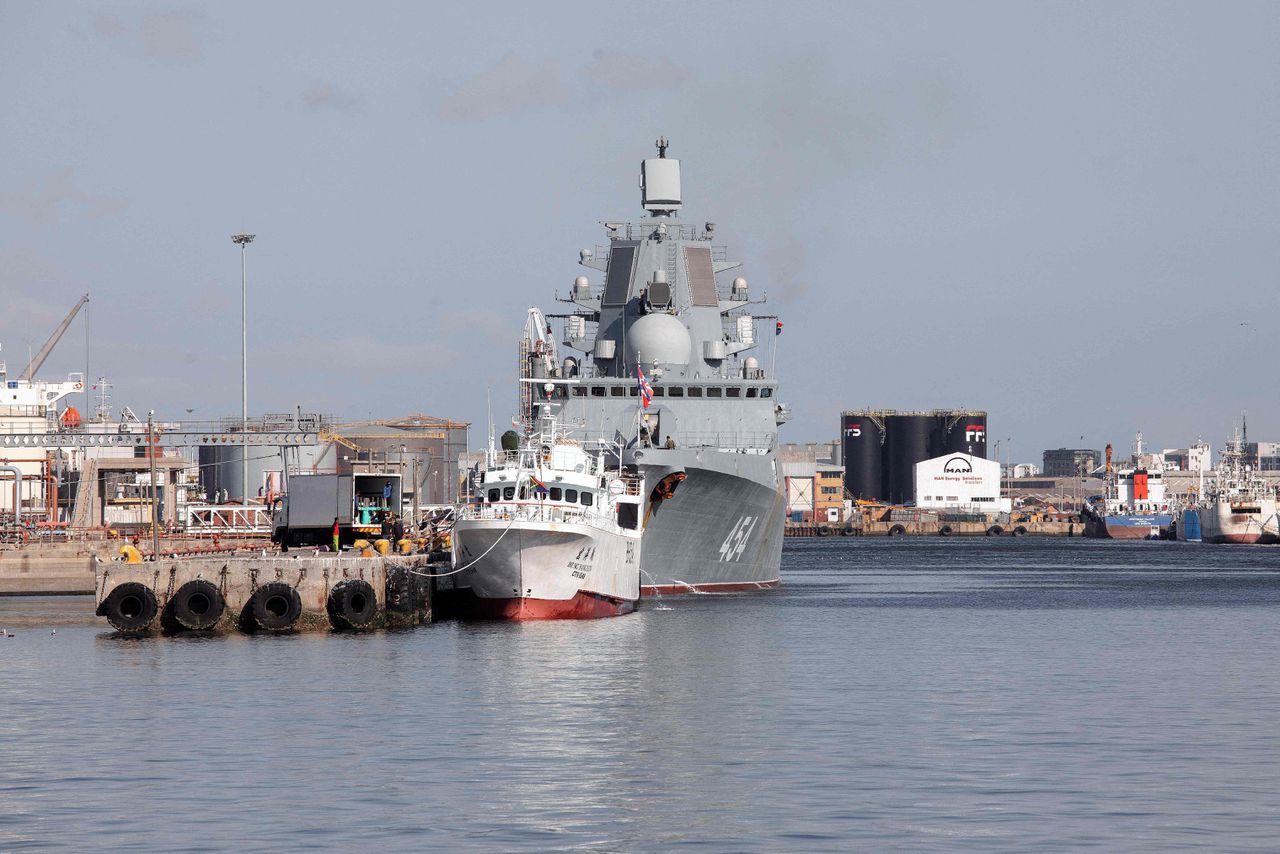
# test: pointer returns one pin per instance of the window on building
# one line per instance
(571, 495)
(617, 391)
(766, 392)
(659, 391)
(579, 391)
(733, 391)
(715, 392)
(587, 498)
(695, 391)
(597, 391)
(556, 493)
(752, 392)
(676, 391)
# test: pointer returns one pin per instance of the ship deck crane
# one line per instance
(36, 362)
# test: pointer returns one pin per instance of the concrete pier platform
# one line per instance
(68, 568)
(265, 594)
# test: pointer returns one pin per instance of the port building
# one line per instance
(961, 483)
(881, 447)
(1070, 462)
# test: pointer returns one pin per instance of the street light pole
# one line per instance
(244, 240)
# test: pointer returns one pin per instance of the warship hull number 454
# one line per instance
(665, 372)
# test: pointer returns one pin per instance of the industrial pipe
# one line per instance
(17, 492)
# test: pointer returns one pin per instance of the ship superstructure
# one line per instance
(666, 372)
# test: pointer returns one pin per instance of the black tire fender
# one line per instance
(995, 531)
(352, 605)
(945, 531)
(275, 606)
(197, 605)
(129, 607)
(1019, 531)
(897, 531)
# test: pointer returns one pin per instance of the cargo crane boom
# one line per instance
(30, 372)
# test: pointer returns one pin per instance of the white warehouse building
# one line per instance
(960, 482)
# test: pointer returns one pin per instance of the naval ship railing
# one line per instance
(725, 441)
(528, 511)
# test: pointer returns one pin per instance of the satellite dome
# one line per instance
(658, 338)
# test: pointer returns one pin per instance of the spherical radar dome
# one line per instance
(658, 338)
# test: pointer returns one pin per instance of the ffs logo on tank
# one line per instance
(736, 542)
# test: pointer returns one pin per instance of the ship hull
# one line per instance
(1133, 526)
(1220, 526)
(721, 530)
(528, 570)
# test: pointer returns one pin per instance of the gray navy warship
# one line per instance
(666, 378)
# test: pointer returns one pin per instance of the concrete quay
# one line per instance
(265, 594)
(68, 568)
(914, 528)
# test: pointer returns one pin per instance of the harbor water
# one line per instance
(922, 694)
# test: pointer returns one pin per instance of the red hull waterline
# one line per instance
(1237, 539)
(584, 606)
(720, 587)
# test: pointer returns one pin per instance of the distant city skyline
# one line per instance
(1063, 214)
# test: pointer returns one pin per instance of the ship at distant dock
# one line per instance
(1134, 506)
(1236, 506)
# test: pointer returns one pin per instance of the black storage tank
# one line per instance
(910, 439)
(863, 462)
(963, 432)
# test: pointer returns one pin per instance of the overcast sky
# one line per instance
(1064, 213)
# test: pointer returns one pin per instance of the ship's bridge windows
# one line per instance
(633, 391)
(733, 391)
(571, 495)
(597, 391)
(587, 498)
(509, 493)
(494, 494)
(715, 391)
(659, 391)
(766, 392)
(557, 493)
(752, 392)
(579, 391)
(676, 391)
(695, 391)
(617, 391)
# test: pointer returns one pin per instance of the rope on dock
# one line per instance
(468, 566)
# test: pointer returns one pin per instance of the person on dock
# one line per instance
(337, 533)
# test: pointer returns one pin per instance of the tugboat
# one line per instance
(1134, 507)
(553, 531)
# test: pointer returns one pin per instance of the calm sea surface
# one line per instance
(928, 694)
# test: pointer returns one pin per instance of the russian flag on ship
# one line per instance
(646, 390)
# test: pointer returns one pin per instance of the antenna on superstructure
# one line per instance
(662, 146)
(103, 410)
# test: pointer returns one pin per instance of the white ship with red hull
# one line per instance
(552, 532)
(1238, 506)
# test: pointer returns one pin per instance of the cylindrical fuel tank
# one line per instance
(862, 450)
(963, 432)
(908, 442)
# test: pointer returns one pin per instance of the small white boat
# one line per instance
(552, 532)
